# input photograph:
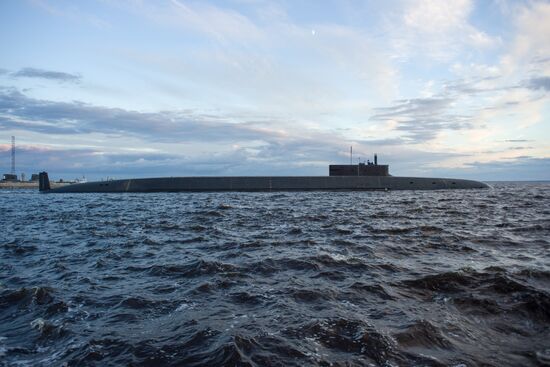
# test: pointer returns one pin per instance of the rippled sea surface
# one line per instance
(459, 278)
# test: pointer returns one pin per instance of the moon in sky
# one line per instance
(313, 32)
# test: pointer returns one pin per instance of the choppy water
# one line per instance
(458, 278)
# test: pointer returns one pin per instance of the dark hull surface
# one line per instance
(276, 183)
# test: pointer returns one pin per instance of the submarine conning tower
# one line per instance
(43, 182)
(361, 169)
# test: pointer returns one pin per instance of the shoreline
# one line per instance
(28, 185)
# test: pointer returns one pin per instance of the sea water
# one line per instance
(424, 278)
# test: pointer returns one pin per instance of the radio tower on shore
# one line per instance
(13, 155)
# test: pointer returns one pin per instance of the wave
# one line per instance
(193, 269)
(19, 249)
(26, 296)
(487, 292)
(358, 338)
(424, 334)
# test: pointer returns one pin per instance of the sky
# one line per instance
(132, 88)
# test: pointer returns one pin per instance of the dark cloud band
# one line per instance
(46, 74)
(542, 82)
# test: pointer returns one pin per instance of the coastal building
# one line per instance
(9, 177)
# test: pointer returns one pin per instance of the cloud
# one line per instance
(17, 111)
(519, 148)
(90, 161)
(438, 30)
(421, 119)
(517, 168)
(542, 82)
(518, 140)
(238, 148)
(295, 158)
(432, 16)
(184, 143)
(486, 84)
(475, 85)
(269, 137)
(97, 162)
(46, 74)
(258, 139)
(530, 44)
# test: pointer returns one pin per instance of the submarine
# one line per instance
(347, 177)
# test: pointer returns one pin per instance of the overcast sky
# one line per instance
(174, 88)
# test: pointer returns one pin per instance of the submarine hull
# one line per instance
(275, 183)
